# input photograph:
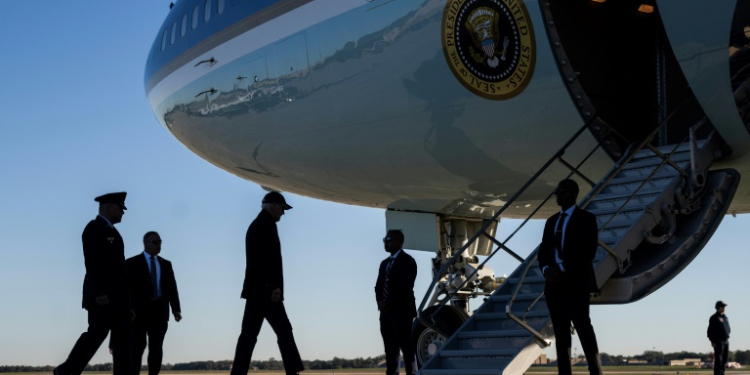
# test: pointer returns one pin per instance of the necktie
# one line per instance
(387, 272)
(154, 281)
(559, 233)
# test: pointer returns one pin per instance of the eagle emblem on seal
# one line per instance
(489, 46)
(482, 25)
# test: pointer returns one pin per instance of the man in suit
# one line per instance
(153, 290)
(263, 289)
(394, 293)
(105, 291)
(566, 254)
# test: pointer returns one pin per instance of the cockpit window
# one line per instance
(220, 6)
(174, 33)
(196, 10)
(183, 27)
(164, 39)
(207, 11)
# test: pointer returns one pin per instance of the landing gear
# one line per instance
(458, 280)
(427, 341)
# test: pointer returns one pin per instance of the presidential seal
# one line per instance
(489, 46)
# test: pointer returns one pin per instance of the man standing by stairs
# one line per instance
(566, 254)
(394, 292)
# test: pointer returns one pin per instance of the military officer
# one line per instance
(105, 291)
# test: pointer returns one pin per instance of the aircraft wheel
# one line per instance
(427, 342)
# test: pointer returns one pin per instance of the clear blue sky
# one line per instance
(75, 124)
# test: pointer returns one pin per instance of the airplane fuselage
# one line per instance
(421, 105)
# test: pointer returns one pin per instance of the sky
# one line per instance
(76, 124)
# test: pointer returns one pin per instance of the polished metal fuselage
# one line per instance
(353, 101)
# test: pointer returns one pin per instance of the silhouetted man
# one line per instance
(105, 291)
(153, 290)
(566, 257)
(263, 289)
(394, 292)
(718, 334)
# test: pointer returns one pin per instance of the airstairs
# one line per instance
(655, 209)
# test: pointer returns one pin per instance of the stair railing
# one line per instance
(502, 245)
(646, 143)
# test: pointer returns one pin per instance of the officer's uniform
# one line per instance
(718, 333)
(104, 255)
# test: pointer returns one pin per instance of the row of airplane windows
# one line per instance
(207, 7)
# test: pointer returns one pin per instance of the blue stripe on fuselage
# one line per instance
(234, 11)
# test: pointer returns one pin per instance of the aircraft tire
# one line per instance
(426, 341)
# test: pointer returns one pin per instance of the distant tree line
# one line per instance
(650, 356)
(274, 364)
(270, 364)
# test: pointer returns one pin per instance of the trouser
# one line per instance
(257, 309)
(568, 304)
(102, 320)
(395, 327)
(155, 329)
(721, 355)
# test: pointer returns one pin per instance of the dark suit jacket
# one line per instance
(400, 285)
(139, 282)
(579, 248)
(104, 255)
(263, 270)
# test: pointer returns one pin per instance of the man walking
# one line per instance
(105, 292)
(718, 334)
(263, 289)
(394, 293)
(566, 254)
(153, 290)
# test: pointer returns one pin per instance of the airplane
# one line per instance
(453, 114)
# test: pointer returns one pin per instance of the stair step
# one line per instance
(645, 191)
(519, 297)
(494, 334)
(468, 371)
(502, 315)
(619, 221)
(477, 353)
(643, 173)
(631, 208)
(493, 339)
(624, 219)
(685, 147)
(648, 154)
(652, 163)
(663, 174)
(501, 322)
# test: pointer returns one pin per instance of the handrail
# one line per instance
(589, 197)
(482, 230)
(509, 311)
(574, 170)
(502, 244)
